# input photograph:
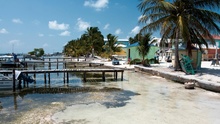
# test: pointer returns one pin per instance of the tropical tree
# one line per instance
(74, 48)
(189, 20)
(133, 40)
(94, 39)
(38, 52)
(111, 45)
(145, 42)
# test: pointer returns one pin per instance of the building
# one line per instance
(132, 52)
(210, 53)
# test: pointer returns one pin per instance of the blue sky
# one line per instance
(50, 24)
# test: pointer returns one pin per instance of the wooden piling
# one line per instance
(103, 76)
(45, 78)
(14, 83)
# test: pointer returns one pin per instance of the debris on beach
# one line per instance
(189, 85)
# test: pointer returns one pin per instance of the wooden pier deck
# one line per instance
(66, 73)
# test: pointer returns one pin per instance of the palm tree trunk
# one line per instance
(177, 62)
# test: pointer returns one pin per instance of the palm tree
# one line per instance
(145, 43)
(189, 20)
(111, 45)
(133, 40)
(95, 39)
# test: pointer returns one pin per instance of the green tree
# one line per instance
(38, 52)
(145, 42)
(111, 46)
(133, 40)
(189, 20)
(94, 39)
(74, 48)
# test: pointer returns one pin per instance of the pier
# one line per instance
(65, 73)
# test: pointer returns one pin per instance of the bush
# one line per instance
(135, 61)
(146, 63)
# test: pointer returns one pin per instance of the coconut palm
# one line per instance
(189, 20)
(145, 42)
(95, 39)
(111, 45)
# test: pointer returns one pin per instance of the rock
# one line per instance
(189, 85)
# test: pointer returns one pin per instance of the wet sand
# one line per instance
(159, 102)
(143, 99)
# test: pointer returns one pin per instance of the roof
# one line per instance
(136, 44)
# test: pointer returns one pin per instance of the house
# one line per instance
(210, 53)
(132, 52)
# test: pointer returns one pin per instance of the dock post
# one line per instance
(45, 78)
(27, 81)
(49, 65)
(122, 75)
(64, 77)
(57, 63)
(67, 76)
(116, 75)
(13, 72)
(49, 78)
(103, 76)
(84, 76)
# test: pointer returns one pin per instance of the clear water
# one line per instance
(138, 98)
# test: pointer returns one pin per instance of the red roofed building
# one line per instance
(210, 53)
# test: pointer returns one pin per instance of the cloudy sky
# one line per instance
(50, 24)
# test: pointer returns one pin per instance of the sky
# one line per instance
(50, 24)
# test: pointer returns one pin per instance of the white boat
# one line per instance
(6, 82)
(8, 61)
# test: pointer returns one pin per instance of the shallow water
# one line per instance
(140, 98)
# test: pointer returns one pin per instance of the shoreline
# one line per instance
(208, 77)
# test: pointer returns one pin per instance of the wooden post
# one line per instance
(14, 83)
(57, 63)
(49, 65)
(116, 75)
(49, 78)
(27, 81)
(67, 76)
(84, 76)
(45, 78)
(122, 75)
(34, 66)
(64, 77)
(103, 76)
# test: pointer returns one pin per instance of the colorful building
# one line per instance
(210, 53)
(132, 52)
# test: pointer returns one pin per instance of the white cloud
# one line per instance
(82, 25)
(65, 33)
(45, 45)
(40, 35)
(118, 31)
(14, 42)
(54, 25)
(106, 26)
(98, 4)
(135, 30)
(3, 31)
(18, 21)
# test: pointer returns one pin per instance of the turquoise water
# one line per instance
(139, 98)
(39, 94)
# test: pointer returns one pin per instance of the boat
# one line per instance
(8, 61)
(6, 82)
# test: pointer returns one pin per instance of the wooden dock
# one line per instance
(66, 73)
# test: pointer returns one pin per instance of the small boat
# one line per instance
(8, 61)
(6, 82)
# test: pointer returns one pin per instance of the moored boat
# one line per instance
(6, 82)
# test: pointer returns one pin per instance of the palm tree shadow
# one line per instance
(203, 71)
